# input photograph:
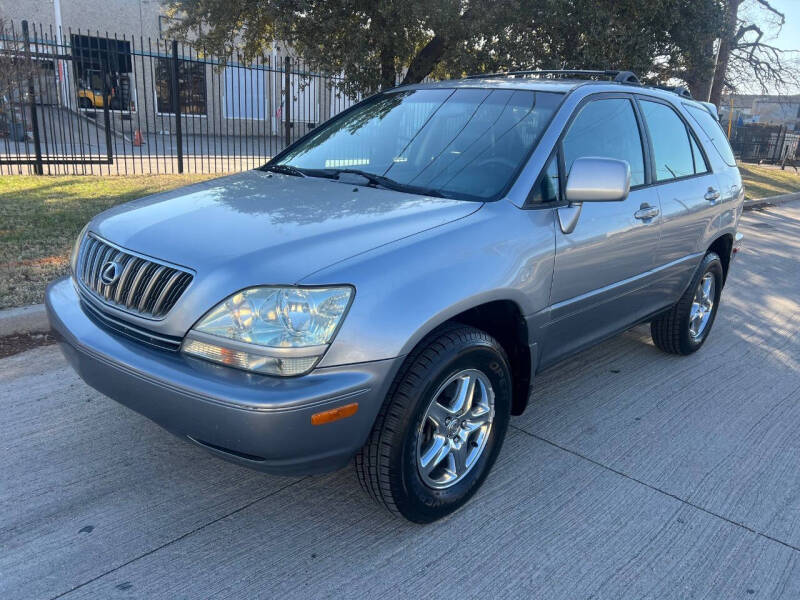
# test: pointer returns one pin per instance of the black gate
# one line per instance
(83, 102)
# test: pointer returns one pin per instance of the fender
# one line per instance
(407, 288)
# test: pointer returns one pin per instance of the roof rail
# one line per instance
(681, 90)
(627, 77)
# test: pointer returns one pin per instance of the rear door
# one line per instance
(601, 267)
(688, 191)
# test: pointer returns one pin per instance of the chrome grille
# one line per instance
(142, 286)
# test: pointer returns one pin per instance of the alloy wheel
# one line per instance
(455, 428)
(702, 306)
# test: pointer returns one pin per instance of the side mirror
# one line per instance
(594, 179)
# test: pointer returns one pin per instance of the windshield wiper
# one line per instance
(388, 183)
(285, 169)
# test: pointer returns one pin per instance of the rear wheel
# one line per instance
(685, 327)
(441, 427)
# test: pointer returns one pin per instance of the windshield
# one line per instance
(462, 143)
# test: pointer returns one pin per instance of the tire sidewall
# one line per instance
(420, 502)
(711, 264)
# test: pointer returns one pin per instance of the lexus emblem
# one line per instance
(110, 272)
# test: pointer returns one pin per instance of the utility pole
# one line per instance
(730, 117)
(61, 46)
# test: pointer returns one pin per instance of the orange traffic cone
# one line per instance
(137, 138)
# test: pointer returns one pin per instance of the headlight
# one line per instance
(271, 330)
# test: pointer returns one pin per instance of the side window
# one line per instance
(700, 164)
(712, 129)
(672, 150)
(547, 187)
(606, 128)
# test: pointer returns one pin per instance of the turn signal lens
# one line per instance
(249, 361)
(334, 414)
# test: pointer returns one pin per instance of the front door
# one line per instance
(602, 266)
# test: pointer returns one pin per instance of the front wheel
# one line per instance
(441, 427)
(685, 327)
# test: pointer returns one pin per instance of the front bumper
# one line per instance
(258, 421)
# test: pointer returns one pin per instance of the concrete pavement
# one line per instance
(633, 474)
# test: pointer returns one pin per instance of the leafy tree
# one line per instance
(378, 43)
(689, 56)
(374, 44)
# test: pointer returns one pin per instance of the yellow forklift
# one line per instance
(91, 91)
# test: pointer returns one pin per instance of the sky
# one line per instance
(789, 38)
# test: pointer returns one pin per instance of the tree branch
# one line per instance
(744, 30)
(773, 10)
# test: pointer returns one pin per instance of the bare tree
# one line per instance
(745, 58)
(16, 66)
(17, 72)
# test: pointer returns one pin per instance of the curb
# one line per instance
(771, 201)
(25, 319)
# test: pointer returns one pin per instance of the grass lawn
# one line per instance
(761, 181)
(40, 217)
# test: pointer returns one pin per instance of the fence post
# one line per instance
(781, 138)
(37, 144)
(107, 117)
(287, 101)
(176, 105)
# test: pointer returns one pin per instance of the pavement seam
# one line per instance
(656, 489)
(177, 539)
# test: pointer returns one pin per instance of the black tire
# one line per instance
(387, 464)
(671, 330)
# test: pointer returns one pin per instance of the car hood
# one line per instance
(267, 228)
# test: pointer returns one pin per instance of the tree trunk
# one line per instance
(699, 86)
(388, 74)
(387, 54)
(699, 74)
(426, 60)
(726, 42)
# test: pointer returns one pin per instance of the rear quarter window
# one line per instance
(713, 130)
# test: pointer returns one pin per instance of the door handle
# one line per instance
(711, 195)
(646, 212)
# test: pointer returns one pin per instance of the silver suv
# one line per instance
(387, 287)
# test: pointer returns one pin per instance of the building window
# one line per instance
(191, 87)
(104, 72)
(246, 93)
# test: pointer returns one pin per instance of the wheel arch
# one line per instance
(723, 246)
(503, 320)
(494, 318)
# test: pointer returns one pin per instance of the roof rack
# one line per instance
(627, 77)
(681, 90)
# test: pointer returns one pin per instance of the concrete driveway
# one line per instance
(633, 474)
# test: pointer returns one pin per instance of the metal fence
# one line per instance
(91, 103)
(773, 144)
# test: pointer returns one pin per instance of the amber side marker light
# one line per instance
(334, 414)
